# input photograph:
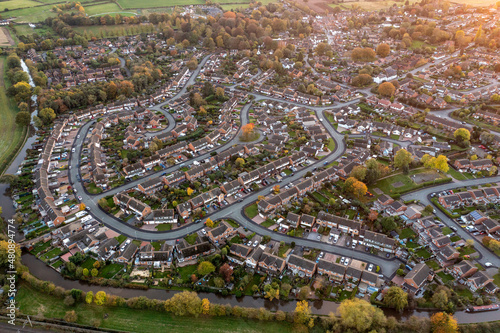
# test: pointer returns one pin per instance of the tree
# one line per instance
(209, 223)
(396, 298)
(47, 115)
(383, 50)
(358, 172)
(302, 313)
(386, 89)
(271, 291)
(185, 303)
(462, 136)
(21, 91)
(248, 132)
(276, 189)
(23, 118)
(89, 297)
(226, 272)
(239, 162)
(362, 80)
(94, 272)
(189, 191)
(100, 298)
(360, 315)
(219, 93)
(219, 282)
(443, 323)
(205, 267)
(373, 215)
(304, 292)
(13, 60)
(5, 253)
(69, 300)
(205, 306)
(355, 187)
(402, 160)
(71, 316)
(440, 299)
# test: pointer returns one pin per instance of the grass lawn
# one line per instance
(466, 250)
(233, 223)
(236, 240)
(282, 250)
(432, 264)
(457, 175)
(496, 279)
(16, 4)
(88, 264)
(465, 293)
(93, 189)
(319, 197)
(121, 238)
(11, 135)
(445, 277)
(39, 247)
(423, 253)
(255, 281)
(406, 233)
(191, 238)
(331, 144)
(251, 211)
(164, 227)
(51, 254)
(186, 272)
(446, 231)
(386, 184)
(57, 264)
(110, 270)
(412, 245)
(267, 223)
(32, 302)
(455, 238)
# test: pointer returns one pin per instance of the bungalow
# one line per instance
(301, 266)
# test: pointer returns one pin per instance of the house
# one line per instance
(127, 254)
(271, 264)
(462, 270)
(449, 201)
(416, 278)
(151, 186)
(385, 200)
(301, 266)
(158, 216)
(148, 256)
(379, 241)
(478, 281)
(334, 271)
(411, 213)
(293, 219)
(347, 226)
(238, 253)
(352, 276)
(222, 231)
(307, 220)
(192, 252)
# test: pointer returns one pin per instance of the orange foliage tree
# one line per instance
(357, 188)
(248, 131)
(443, 323)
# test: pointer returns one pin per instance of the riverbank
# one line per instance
(12, 136)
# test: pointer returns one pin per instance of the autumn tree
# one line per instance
(209, 223)
(396, 298)
(21, 91)
(100, 298)
(302, 313)
(71, 316)
(271, 291)
(219, 93)
(189, 191)
(443, 323)
(362, 80)
(205, 267)
(89, 297)
(358, 172)
(47, 115)
(355, 187)
(402, 160)
(276, 189)
(383, 50)
(185, 303)
(239, 162)
(373, 215)
(359, 315)
(386, 89)
(5, 254)
(462, 136)
(226, 271)
(205, 306)
(248, 132)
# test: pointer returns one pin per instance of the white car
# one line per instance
(203, 231)
(255, 243)
(342, 260)
(370, 268)
(346, 262)
(488, 264)
(73, 150)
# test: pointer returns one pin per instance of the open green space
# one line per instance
(406, 233)
(103, 8)
(110, 270)
(251, 211)
(32, 302)
(186, 272)
(164, 227)
(191, 238)
(11, 135)
(386, 184)
(88, 263)
(16, 4)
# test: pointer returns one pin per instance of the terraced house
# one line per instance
(301, 266)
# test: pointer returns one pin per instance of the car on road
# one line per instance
(370, 267)
(321, 255)
(73, 150)
(488, 264)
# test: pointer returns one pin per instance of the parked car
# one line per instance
(255, 243)
(370, 267)
(203, 231)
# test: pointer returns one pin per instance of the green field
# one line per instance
(16, 4)
(164, 227)
(109, 7)
(251, 211)
(11, 135)
(31, 14)
(32, 302)
(110, 270)
(386, 184)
